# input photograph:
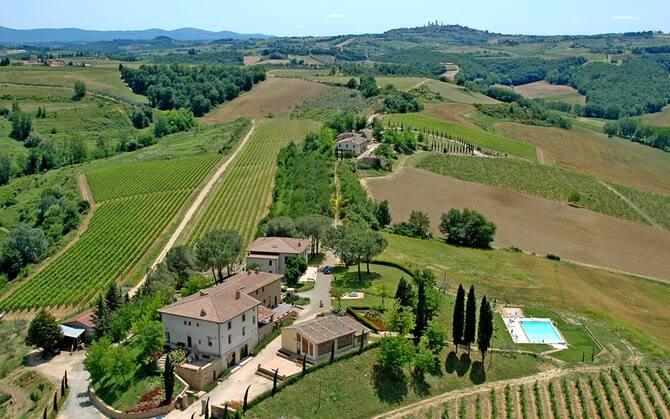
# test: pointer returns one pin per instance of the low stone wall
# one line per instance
(199, 377)
(107, 410)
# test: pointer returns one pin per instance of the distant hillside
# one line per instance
(33, 36)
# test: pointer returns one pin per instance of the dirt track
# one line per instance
(530, 223)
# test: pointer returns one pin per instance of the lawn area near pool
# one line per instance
(612, 305)
(354, 388)
(371, 284)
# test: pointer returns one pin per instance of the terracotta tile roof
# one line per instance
(323, 329)
(354, 137)
(222, 302)
(85, 318)
(277, 245)
(264, 313)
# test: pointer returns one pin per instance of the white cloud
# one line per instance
(624, 17)
(336, 16)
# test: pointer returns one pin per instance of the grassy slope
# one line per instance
(473, 135)
(585, 149)
(636, 309)
(353, 389)
(548, 182)
(101, 80)
(659, 119)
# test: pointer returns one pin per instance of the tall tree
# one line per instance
(373, 245)
(101, 318)
(168, 378)
(400, 319)
(425, 281)
(470, 318)
(458, 320)
(314, 227)
(405, 293)
(420, 224)
(79, 90)
(180, 261)
(383, 214)
(113, 297)
(5, 169)
(280, 227)
(485, 328)
(219, 249)
(44, 332)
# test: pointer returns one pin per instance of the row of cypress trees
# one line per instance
(465, 327)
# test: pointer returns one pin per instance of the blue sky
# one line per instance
(328, 17)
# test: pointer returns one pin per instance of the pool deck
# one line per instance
(512, 317)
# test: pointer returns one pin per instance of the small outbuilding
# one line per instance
(317, 338)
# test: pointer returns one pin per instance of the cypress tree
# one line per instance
(485, 327)
(65, 378)
(101, 318)
(332, 352)
(245, 405)
(225, 411)
(458, 319)
(168, 378)
(207, 409)
(421, 308)
(55, 402)
(470, 318)
(274, 382)
(44, 416)
(405, 293)
(304, 364)
(113, 297)
(62, 387)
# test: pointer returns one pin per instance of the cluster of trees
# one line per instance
(4, 62)
(639, 85)
(513, 72)
(403, 141)
(55, 215)
(388, 69)
(412, 314)
(172, 121)
(196, 88)
(355, 243)
(304, 179)
(519, 108)
(467, 228)
(346, 122)
(141, 117)
(418, 226)
(355, 205)
(633, 130)
(22, 123)
(464, 323)
(401, 102)
(367, 85)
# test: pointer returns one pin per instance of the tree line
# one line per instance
(196, 88)
(634, 130)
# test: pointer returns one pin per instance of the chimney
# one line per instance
(203, 313)
(238, 293)
(249, 272)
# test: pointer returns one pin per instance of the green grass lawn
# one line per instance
(370, 284)
(551, 183)
(474, 135)
(613, 306)
(579, 341)
(354, 388)
(122, 393)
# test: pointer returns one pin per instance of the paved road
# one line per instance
(320, 292)
(77, 405)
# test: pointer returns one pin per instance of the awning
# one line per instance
(71, 332)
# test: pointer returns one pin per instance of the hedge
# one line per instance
(361, 318)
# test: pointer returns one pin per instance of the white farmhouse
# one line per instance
(352, 143)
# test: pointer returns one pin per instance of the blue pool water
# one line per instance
(541, 332)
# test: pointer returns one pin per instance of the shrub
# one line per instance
(467, 228)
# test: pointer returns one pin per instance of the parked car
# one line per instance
(327, 270)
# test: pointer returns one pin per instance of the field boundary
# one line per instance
(196, 206)
(88, 92)
(630, 204)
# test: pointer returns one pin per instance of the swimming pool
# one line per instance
(539, 331)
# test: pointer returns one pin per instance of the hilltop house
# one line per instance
(352, 143)
(270, 254)
(315, 338)
(220, 325)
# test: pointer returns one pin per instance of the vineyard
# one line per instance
(612, 392)
(138, 202)
(244, 193)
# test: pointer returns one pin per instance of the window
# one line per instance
(167, 336)
(184, 322)
(253, 319)
(189, 322)
(197, 325)
(229, 325)
(262, 289)
(270, 263)
(244, 331)
(256, 292)
(244, 317)
(209, 340)
(230, 339)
